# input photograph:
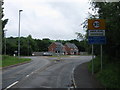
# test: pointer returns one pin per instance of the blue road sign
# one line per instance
(96, 39)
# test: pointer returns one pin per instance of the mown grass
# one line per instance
(110, 74)
(10, 60)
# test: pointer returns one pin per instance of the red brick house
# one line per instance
(56, 47)
(67, 49)
(71, 49)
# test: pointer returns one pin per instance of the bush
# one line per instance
(109, 76)
(96, 62)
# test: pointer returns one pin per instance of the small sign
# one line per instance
(96, 24)
(96, 32)
(96, 39)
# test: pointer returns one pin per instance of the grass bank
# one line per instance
(110, 75)
(10, 60)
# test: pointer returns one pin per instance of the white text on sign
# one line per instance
(96, 32)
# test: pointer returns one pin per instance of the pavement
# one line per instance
(84, 79)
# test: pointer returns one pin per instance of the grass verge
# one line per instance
(109, 76)
(10, 60)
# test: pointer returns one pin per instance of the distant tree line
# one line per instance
(29, 45)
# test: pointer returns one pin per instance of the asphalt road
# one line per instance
(43, 72)
(17, 73)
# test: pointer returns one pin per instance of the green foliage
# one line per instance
(4, 22)
(109, 76)
(43, 44)
(11, 45)
(2, 25)
(110, 11)
(26, 45)
(96, 65)
(9, 60)
(29, 45)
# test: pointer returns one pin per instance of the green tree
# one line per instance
(11, 45)
(3, 22)
(45, 44)
(31, 45)
(110, 11)
(83, 41)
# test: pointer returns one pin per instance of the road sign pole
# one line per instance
(101, 55)
(92, 60)
(96, 35)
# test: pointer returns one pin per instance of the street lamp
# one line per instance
(19, 34)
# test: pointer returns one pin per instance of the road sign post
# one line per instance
(101, 56)
(96, 35)
(92, 59)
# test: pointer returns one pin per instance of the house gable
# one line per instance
(68, 48)
(71, 48)
(56, 47)
(51, 47)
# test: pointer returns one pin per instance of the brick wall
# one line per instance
(52, 47)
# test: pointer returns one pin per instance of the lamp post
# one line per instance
(19, 34)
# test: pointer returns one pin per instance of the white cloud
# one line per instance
(56, 19)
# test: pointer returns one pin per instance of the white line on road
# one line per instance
(73, 77)
(32, 72)
(27, 75)
(11, 85)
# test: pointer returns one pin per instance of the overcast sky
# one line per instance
(54, 19)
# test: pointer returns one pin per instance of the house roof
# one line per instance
(59, 46)
(71, 45)
(58, 43)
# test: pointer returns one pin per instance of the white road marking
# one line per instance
(74, 82)
(32, 72)
(73, 77)
(27, 75)
(11, 85)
